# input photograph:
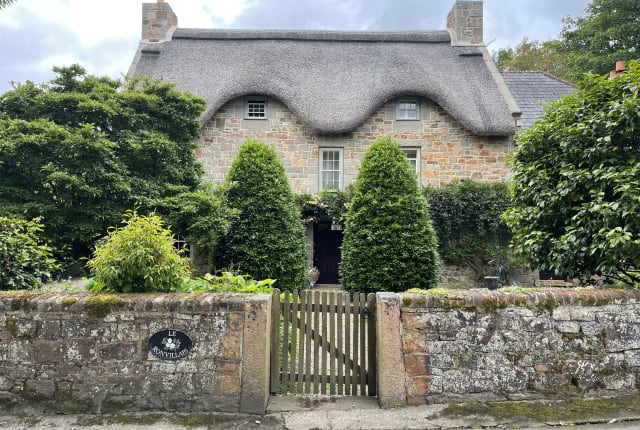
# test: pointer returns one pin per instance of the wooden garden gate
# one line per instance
(323, 343)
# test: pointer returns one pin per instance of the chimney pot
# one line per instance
(619, 66)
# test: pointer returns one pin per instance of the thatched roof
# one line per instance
(332, 80)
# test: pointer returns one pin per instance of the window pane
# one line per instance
(407, 110)
(256, 109)
(413, 157)
(330, 168)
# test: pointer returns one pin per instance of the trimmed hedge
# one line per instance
(389, 241)
(266, 237)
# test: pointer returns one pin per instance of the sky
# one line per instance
(102, 35)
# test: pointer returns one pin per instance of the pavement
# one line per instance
(332, 413)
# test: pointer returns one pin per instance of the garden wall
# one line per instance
(95, 353)
(73, 353)
(489, 346)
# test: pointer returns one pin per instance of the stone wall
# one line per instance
(90, 353)
(484, 346)
(448, 151)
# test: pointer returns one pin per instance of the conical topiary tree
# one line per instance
(266, 237)
(389, 241)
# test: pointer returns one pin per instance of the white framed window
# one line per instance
(408, 109)
(413, 157)
(330, 169)
(255, 107)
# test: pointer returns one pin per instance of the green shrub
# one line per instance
(575, 205)
(138, 258)
(25, 261)
(466, 217)
(227, 282)
(266, 237)
(200, 216)
(389, 241)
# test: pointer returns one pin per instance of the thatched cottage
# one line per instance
(321, 97)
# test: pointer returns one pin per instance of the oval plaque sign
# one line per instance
(170, 344)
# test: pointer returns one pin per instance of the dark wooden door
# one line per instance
(326, 255)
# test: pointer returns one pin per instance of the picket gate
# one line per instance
(323, 343)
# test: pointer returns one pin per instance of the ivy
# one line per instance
(466, 217)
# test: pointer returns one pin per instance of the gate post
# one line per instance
(391, 371)
(254, 384)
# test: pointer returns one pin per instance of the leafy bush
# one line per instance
(576, 186)
(466, 217)
(25, 261)
(201, 217)
(138, 258)
(81, 149)
(266, 237)
(227, 282)
(389, 241)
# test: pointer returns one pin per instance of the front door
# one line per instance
(326, 255)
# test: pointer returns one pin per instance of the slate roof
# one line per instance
(531, 90)
(332, 80)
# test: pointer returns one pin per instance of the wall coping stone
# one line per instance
(141, 302)
(535, 299)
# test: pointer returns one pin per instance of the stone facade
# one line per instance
(448, 152)
(88, 353)
(489, 346)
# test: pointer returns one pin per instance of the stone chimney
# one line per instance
(158, 21)
(464, 22)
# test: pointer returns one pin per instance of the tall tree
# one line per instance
(81, 150)
(609, 31)
(389, 241)
(576, 182)
(266, 237)
(532, 55)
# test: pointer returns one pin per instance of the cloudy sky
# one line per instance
(102, 35)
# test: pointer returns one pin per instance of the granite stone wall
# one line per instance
(489, 346)
(92, 353)
(448, 152)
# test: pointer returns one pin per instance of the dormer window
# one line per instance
(408, 109)
(255, 107)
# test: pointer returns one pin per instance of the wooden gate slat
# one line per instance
(371, 363)
(332, 344)
(300, 318)
(363, 352)
(316, 343)
(307, 336)
(355, 375)
(323, 357)
(339, 328)
(348, 370)
(285, 344)
(294, 341)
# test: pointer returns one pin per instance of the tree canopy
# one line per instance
(576, 182)
(81, 150)
(609, 31)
